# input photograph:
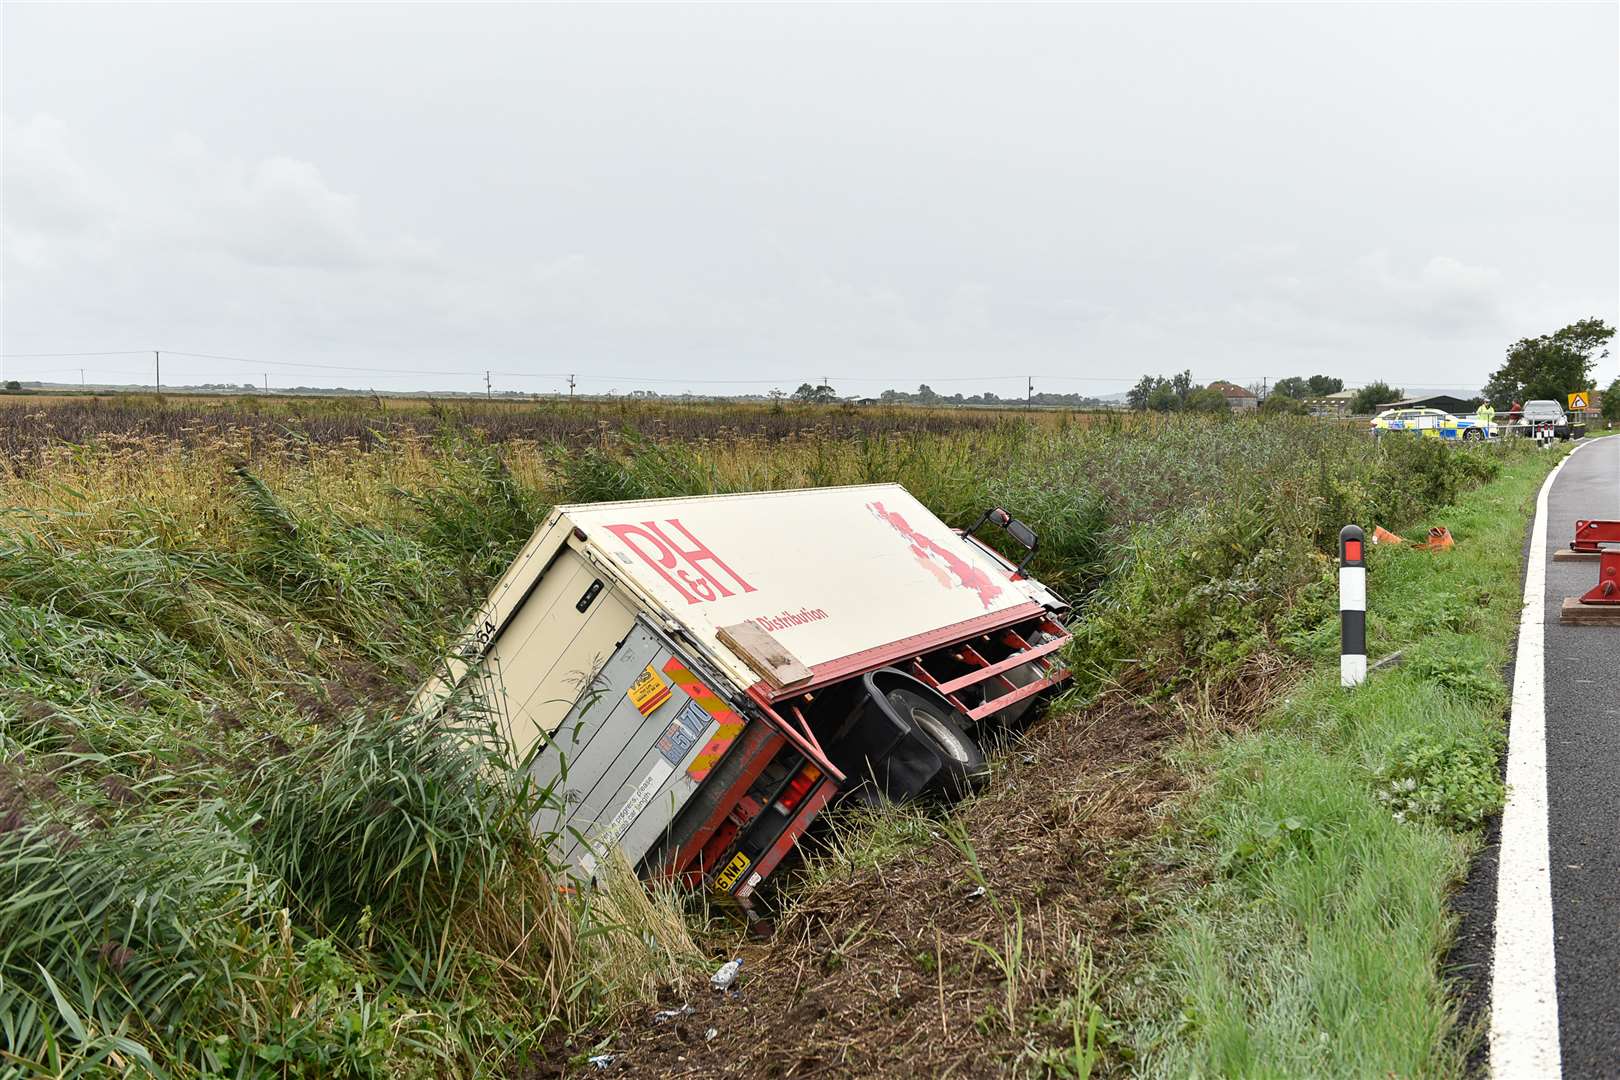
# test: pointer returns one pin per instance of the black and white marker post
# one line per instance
(1352, 607)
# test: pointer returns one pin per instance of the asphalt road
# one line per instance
(1583, 778)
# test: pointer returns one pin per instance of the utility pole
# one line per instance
(570, 388)
(1029, 394)
(488, 392)
(267, 382)
(157, 369)
(81, 378)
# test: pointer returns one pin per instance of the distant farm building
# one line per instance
(1237, 398)
(1331, 404)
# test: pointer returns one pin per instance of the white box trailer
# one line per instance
(695, 679)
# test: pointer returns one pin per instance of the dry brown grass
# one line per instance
(890, 962)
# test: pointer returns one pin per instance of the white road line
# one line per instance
(1524, 984)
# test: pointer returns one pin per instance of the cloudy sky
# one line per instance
(734, 198)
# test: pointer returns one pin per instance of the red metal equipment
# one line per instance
(1589, 534)
(1607, 590)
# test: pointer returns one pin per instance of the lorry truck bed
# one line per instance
(675, 671)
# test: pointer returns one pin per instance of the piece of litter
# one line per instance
(975, 894)
(670, 1014)
(708, 1036)
(1439, 540)
(1382, 535)
(722, 979)
(600, 1061)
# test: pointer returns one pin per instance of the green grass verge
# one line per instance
(1327, 839)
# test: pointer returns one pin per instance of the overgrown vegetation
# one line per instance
(1322, 845)
(226, 848)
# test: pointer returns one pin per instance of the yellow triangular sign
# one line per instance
(1577, 402)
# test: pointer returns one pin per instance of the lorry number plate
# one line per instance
(733, 871)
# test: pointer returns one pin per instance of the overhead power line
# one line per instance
(53, 355)
(323, 367)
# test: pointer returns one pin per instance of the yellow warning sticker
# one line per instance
(1578, 401)
(648, 691)
(734, 870)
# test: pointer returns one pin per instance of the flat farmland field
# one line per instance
(43, 418)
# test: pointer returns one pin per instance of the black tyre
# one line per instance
(1473, 434)
(965, 769)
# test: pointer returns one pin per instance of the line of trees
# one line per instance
(823, 394)
(1301, 388)
(820, 394)
(927, 395)
(1155, 393)
(1551, 366)
(1371, 396)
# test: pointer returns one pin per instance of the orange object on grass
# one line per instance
(1439, 540)
(1382, 535)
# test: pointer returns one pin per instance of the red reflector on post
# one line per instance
(1352, 551)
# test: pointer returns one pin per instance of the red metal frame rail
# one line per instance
(984, 670)
(1589, 534)
(1607, 590)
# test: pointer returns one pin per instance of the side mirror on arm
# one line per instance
(1015, 528)
(1023, 534)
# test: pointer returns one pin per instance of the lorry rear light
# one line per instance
(798, 788)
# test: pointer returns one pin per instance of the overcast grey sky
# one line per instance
(770, 194)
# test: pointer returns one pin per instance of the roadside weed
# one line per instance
(1009, 962)
(1078, 1059)
(1449, 779)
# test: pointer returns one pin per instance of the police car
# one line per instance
(1431, 423)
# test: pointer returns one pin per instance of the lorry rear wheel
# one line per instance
(965, 769)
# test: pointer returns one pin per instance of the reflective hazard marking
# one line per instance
(730, 724)
(1352, 607)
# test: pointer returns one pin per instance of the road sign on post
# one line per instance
(1578, 401)
(1352, 606)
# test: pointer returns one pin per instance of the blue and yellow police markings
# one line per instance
(1429, 423)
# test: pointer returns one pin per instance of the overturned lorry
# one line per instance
(696, 679)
